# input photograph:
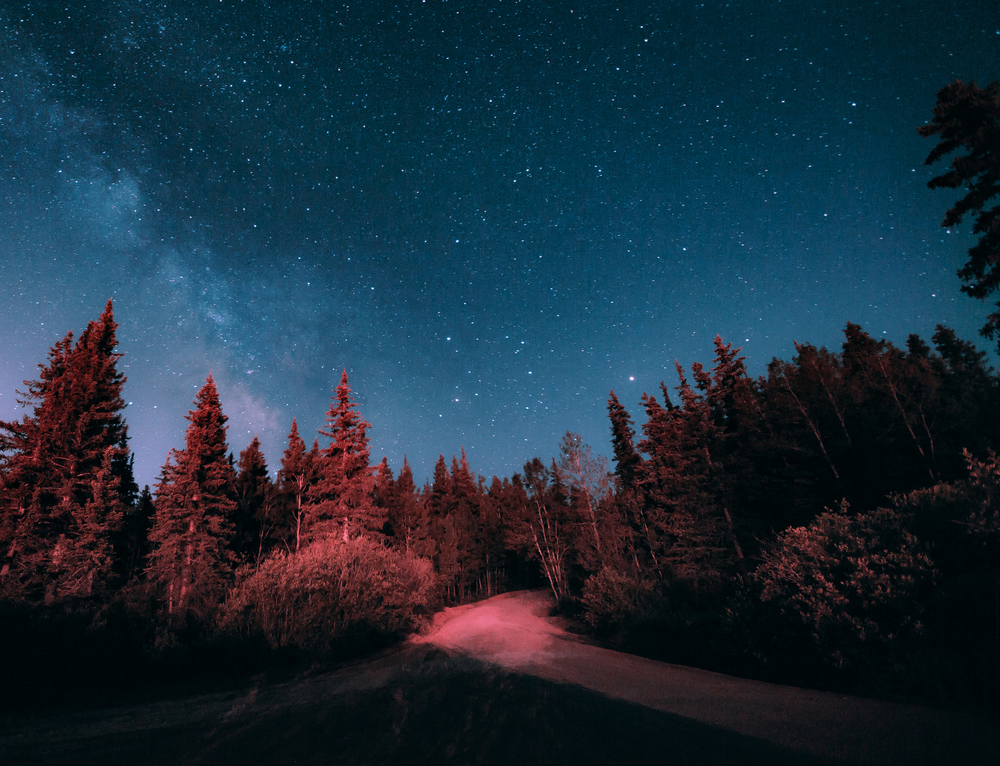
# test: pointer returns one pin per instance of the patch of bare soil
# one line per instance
(496, 683)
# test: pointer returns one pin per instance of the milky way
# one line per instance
(490, 214)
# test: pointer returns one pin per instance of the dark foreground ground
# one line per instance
(417, 706)
(501, 682)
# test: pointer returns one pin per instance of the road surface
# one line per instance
(501, 682)
(515, 630)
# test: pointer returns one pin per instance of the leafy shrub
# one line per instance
(983, 489)
(848, 590)
(612, 600)
(330, 596)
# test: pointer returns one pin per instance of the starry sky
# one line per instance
(489, 213)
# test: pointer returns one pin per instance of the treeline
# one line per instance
(832, 522)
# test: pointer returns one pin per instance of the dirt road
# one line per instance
(515, 631)
(501, 682)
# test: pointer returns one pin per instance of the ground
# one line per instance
(502, 682)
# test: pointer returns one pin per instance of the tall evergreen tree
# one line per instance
(434, 503)
(191, 560)
(85, 558)
(403, 511)
(133, 542)
(342, 498)
(298, 473)
(622, 435)
(50, 459)
(256, 505)
(967, 118)
(385, 487)
(686, 522)
(466, 544)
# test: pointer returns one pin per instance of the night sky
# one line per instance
(489, 213)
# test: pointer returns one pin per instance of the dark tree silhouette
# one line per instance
(622, 435)
(967, 118)
(256, 502)
(133, 540)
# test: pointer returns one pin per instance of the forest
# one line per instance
(833, 523)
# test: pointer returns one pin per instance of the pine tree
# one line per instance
(503, 504)
(50, 459)
(491, 515)
(133, 542)
(86, 555)
(627, 460)
(191, 561)
(466, 543)
(434, 503)
(298, 474)
(385, 487)
(343, 495)
(685, 525)
(403, 512)
(254, 520)
(967, 118)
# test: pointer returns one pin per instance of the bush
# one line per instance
(846, 592)
(612, 600)
(332, 597)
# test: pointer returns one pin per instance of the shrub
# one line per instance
(983, 489)
(849, 590)
(333, 595)
(612, 600)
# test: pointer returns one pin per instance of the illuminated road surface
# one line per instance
(515, 631)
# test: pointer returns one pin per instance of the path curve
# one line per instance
(514, 630)
(501, 682)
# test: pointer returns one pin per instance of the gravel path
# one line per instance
(514, 630)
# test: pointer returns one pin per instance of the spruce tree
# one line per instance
(342, 497)
(255, 520)
(683, 522)
(191, 561)
(385, 486)
(627, 459)
(86, 555)
(435, 501)
(133, 542)
(404, 511)
(463, 544)
(967, 118)
(297, 475)
(51, 459)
